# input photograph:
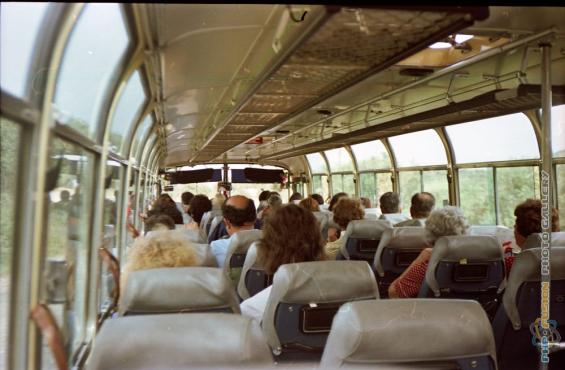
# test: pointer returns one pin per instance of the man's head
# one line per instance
(422, 204)
(264, 195)
(389, 202)
(199, 205)
(365, 202)
(528, 220)
(186, 197)
(239, 214)
(318, 198)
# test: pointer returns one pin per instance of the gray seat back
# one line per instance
(205, 256)
(323, 221)
(534, 240)
(177, 342)
(215, 222)
(502, 233)
(304, 297)
(237, 250)
(253, 278)
(410, 332)
(362, 239)
(178, 289)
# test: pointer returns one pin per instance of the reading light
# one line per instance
(440, 45)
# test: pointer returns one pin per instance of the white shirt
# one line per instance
(255, 306)
(220, 249)
(412, 222)
(394, 218)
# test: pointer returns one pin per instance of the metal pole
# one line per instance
(546, 195)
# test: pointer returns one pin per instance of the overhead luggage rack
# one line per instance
(350, 45)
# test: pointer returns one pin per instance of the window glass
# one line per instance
(131, 213)
(368, 186)
(141, 146)
(558, 130)
(317, 163)
(19, 27)
(422, 148)
(140, 133)
(435, 182)
(68, 225)
(127, 112)
(503, 138)
(384, 185)
(339, 160)
(320, 185)
(410, 183)
(371, 155)
(252, 191)
(513, 186)
(10, 134)
(337, 184)
(476, 192)
(349, 185)
(560, 175)
(89, 68)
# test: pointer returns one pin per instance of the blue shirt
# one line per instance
(220, 249)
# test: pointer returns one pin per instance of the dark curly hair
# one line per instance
(290, 235)
(334, 200)
(528, 218)
(161, 219)
(199, 205)
(318, 198)
(346, 210)
(239, 216)
(186, 197)
(166, 208)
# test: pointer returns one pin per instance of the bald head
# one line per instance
(422, 204)
(239, 212)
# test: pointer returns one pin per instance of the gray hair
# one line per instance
(274, 200)
(447, 221)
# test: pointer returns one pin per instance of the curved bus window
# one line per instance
(513, 186)
(89, 68)
(320, 185)
(432, 181)
(371, 155)
(19, 27)
(558, 131)
(422, 148)
(317, 163)
(10, 136)
(503, 138)
(140, 133)
(69, 205)
(477, 195)
(339, 160)
(127, 112)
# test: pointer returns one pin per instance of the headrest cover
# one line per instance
(534, 240)
(502, 233)
(403, 329)
(176, 289)
(322, 217)
(317, 282)
(406, 237)
(175, 341)
(462, 247)
(240, 243)
(250, 261)
(367, 229)
(526, 267)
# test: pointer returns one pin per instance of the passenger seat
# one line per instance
(174, 342)
(362, 239)
(178, 289)
(237, 250)
(253, 277)
(534, 240)
(410, 334)
(303, 300)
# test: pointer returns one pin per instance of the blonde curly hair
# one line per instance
(159, 249)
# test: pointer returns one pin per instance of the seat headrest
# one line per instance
(205, 256)
(176, 341)
(241, 240)
(405, 237)
(401, 332)
(394, 218)
(534, 240)
(317, 282)
(178, 289)
(502, 233)
(526, 267)
(367, 229)
(461, 248)
(321, 216)
(250, 262)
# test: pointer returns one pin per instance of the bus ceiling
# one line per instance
(267, 82)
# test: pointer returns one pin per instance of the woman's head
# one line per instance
(447, 221)
(528, 220)
(159, 222)
(199, 205)
(291, 234)
(334, 200)
(347, 209)
(310, 204)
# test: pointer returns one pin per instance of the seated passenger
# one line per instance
(365, 202)
(274, 202)
(345, 210)
(166, 208)
(421, 206)
(333, 233)
(528, 221)
(290, 235)
(310, 204)
(159, 223)
(441, 222)
(239, 214)
(186, 197)
(390, 208)
(295, 198)
(199, 205)
(263, 200)
(318, 198)
(160, 249)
